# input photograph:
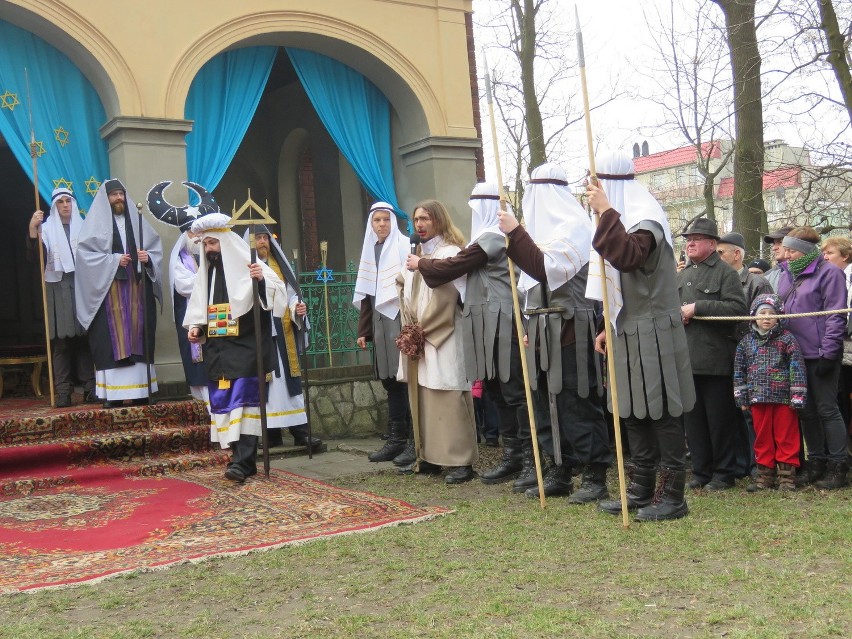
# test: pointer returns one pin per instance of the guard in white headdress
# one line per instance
(116, 278)
(653, 372)
(382, 258)
(553, 252)
(219, 316)
(492, 353)
(69, 348)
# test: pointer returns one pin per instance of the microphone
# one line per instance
(414, 240)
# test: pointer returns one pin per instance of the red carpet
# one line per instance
(108, 524)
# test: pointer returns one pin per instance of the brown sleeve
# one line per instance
(438, 272)
(365, 320)
(32, 249)
(627, 252)
(523, 251)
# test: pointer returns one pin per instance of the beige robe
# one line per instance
(445, 407)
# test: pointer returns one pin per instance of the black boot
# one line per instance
(423, 468)
(835, 476)
(811, 472)
(393, 446)
(557, 482)
(509, 466)
(527, 477)
(300, 436)
(407, 456)
(593, 486)
(669, 502)
(640, 491)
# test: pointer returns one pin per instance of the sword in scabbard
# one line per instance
(555, 433)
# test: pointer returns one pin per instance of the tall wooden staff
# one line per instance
(258, 345)
(519, 327)
(145, 344)
(610, 344)
(303, 355)
(324, 257)
(34, 156)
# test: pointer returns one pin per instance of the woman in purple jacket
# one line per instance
(809, 283)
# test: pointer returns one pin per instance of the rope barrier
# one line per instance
(751, 318)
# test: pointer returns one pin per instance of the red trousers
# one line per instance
(776, 434)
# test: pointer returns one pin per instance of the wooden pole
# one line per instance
(610, 361)
(34, 157)
(258, 342)
(145, 344)
(519, 327)
(303, 357)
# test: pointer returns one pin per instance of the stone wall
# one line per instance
(349, 408)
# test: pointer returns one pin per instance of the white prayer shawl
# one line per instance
(485, 205)
(59, 257)
(380, 280)
(235, 260)
(635, 204)
(440, 368)
(181, 278)
(96, 263)
(558, 225)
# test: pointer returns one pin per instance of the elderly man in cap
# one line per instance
(779, 254)
(709, 287)
(117, 276)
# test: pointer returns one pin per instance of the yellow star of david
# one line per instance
(37, 148)
(63, 182)
(61, 135)
(92, 185)
(9, 100)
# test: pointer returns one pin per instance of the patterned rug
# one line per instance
(101, 527)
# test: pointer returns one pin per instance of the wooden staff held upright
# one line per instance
(519, 327)
(34, 156)
(258, 345)
(622, 485)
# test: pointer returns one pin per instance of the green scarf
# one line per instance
(801, 263)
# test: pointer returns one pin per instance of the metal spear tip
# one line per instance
(139, 206)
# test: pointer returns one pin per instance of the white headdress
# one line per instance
(60, 254)
(557, 224)
(380, 279)
(485, 204)
(635, 204)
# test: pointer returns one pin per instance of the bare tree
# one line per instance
(692, 85)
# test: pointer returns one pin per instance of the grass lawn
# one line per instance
(740, 565)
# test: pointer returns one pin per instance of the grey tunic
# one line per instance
(487, 314)
(651, 355)
(546, 332)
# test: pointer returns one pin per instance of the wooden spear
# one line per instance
(34, 156)
(519, 327)
(610, 344)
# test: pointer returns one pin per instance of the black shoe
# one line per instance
(316, 442)
(669, 502)
(425, 468)
(556, 483)
(90, 397)
(718, 484)
(593, 486)
(235, 474)
(63, 401)
(388, 452)
(640, 490)
(492, 442)
(459, 475)
(508, 467)
(696, 484)
(113, 403)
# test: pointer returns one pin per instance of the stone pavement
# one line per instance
(344, 457)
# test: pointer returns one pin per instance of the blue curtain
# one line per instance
(66, 115)
(356, 115)
(222, 100)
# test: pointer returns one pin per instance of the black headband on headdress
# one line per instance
(484, 197)
(62, 193)
(113, 185)
(548, 181)
(615, 176)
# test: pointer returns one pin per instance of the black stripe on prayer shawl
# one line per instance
(484, 197)
(615, 176)
(548, 181)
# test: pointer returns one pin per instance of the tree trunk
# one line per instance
(749, 211)
(836, 52)
(525, 18)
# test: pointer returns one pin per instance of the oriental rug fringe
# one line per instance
(112, 524)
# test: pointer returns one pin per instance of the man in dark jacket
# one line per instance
(709, 287)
